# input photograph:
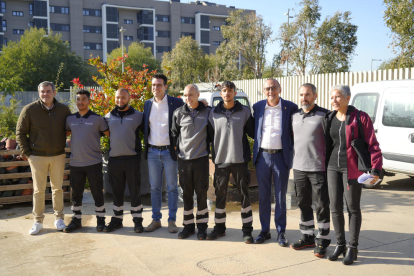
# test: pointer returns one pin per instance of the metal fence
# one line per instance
(323, 82)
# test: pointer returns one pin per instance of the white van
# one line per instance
(390, 104)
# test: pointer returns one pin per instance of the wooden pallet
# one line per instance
(26, 198)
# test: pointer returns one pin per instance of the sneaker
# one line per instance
(74, 224)
(187, 231)
(37, 226)
(247, 238)
(138, 228)
(100, 224)
(154, 225)
(215, 234)
(113, 225)
(201, 234)
(320, 251)
(60, 224)
(304, 242)
(172, 228)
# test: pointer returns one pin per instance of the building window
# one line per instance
(127, 37)
(40, 23)
(92, 46)
(4, 41)
(127, 21)
(216, 43)
(163, 49)
(15, 31)
(30, 24)
(58, 9)
(112, 31)
(205, 37)
(163, 33)
(4, 24)
(40, 8)
(216, 28)
(206, 49)
(146, 33)
(188, 34)
(92, 12)
(205, 22)
(17, 13)
(112, 14)
(30, 8)
(149, 45)
(3, 7)
(111, 45)
(162, 18)
(145, 17)
(59, 27)
(188, 20)
(92, 29)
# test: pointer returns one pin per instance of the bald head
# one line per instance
(190, 96)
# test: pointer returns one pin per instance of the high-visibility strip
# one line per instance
(136, 215)
(120, 208)
(77, 216)
(100, 209)
(189, 212)
(119, 217)
(202, 212)
(327, 237)
(76, 208)
(246, 220)
(307, 232)
(324, 225)
(204, 220)
(190, 221)
(220, 211)
(102, 215)
(245, 210)
(137, 208)
(222, 220)
(307, 223)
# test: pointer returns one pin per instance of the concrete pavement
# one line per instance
(386, 244)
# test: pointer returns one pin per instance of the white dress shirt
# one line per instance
(272, 127)
(158, 123)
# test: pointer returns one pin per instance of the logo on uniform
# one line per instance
(72, 124)
(89, 124)
(236, 118)
(129, 119)
(201, 117)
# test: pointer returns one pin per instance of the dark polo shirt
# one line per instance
(309, 141)
(85, 140)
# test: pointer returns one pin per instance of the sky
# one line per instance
(373, 36)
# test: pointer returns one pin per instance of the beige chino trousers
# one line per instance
(41, 166)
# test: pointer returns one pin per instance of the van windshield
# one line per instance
(242, 100)
(367, 102)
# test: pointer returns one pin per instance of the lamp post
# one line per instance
(287, 60)
(122, 30)
(372, 60)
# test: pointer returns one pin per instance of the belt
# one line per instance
(271, 150)
(159, 147)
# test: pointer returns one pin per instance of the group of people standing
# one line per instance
(178, 138)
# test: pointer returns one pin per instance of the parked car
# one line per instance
(212, 96)
(390, 104)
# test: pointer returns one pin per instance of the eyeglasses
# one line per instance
(273, 88)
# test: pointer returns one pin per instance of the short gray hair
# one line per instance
(344, 89)
(313, 87)
(193, 86)
(46, 83)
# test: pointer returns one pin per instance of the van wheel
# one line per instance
(374, 186)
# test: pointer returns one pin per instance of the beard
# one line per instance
(122, 107)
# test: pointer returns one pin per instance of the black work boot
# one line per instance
(100, 223)
(187, 231)
(247, 238)
(201, 234)
(138, 228)
(115, 223)
(320, 251)
(74, 224)
(305, 242)
(216, 233)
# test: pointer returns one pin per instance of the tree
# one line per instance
(335, 42)
(399, 17)
(37, 57)
(187, 63)
(245, 35)
(273, 70)
(298, 38)
(137, 56)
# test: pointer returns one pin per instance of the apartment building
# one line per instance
(92, 26)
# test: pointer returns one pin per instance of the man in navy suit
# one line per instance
(159, 150)
(273, 156)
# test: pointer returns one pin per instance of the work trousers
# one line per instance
(40, 167)
(125, 170)
(338, 187)
(193, 176)
(241, 175)
(78, 176)
(307, 183)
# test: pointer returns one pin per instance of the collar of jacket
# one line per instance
(130, 111)
(221, 109)
(312, 112)
(351, 109)
(55, 102)
(185, 110)
(89, 113)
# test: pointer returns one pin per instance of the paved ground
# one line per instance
(386, 244)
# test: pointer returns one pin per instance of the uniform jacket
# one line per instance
(351, 133)
(288, 108)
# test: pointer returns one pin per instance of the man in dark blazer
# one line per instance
(273, 156)
(159, 150)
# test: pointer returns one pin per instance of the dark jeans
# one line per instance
(338, 187)
(307, 183)
(241, 175)
(122, 171)
(193, 176)
(78, 177)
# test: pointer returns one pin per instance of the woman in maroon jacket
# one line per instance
(341, 127)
